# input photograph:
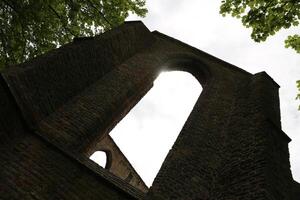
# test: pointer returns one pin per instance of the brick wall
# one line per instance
(57, 107)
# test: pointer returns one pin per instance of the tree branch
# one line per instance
(60, 18)
(101, 13)
(4, 47)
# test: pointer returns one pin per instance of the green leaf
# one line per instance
(265, 17)
(32, 27)
(298, 95)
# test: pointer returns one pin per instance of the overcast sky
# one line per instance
(199, 24)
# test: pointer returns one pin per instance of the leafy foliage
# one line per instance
(298, 96)
(293, 41)
(266, 17)
(32, 27)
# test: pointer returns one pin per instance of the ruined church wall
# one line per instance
(231, 146)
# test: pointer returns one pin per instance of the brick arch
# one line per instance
(152, 128)
(215, 134)
(231, 147)
(139, 86)
(177, 158)
(188, 63)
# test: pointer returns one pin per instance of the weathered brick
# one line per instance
(56, 108)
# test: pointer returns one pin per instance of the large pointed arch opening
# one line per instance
(146, 134)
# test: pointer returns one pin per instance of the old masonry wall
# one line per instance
(57, 108)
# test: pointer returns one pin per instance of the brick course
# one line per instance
(57, 107)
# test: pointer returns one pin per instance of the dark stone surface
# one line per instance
(56, 108)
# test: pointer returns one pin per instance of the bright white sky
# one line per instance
(148, 132)
(198, 23)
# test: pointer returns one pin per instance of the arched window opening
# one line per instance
(100, 158)
(148, 131)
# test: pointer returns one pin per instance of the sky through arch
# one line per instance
(100, 158)
(199, 24)
(148, 131)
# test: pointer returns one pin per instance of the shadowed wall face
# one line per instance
(66, 101)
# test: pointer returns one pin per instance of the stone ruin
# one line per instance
(57, 109)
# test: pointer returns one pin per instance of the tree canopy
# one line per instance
(32, 27)
(266, 17)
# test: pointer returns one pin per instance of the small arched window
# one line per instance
(99, 157)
